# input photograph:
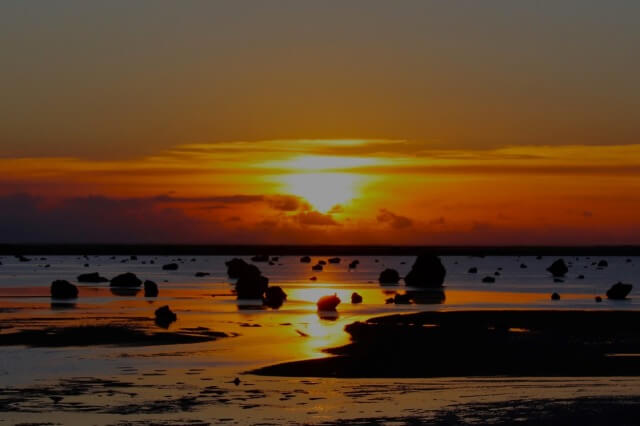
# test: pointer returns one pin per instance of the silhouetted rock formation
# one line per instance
(92, 277)
(22, 258)
(555, 296)
(488, 279)
(201, 274)
(165, 316)
(235, 267)
(603, 264)
(598, 299)
(317, 267)
(523, 266)
(619, 291)
(328, 303)
(260, 258)
(356, 298)
(389, 276)
(558, 268)
(170, 267)
(62, 289)
(305, 259)
(274, 297)
(473, 270)
(334, 260)
(354, 264)
(581, 277)
(322, 262)
(314, 278)
(150, 289)
(127, 279)
(251, 283)
(427, 271)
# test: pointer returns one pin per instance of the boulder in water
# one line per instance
(328, 303)
(619, 291)
(251, 283)
(235, 267)
(127, 279)
(356, 298)
(62, 289)
(317, 267)
(260, 258)
(305, 259)
(473, 270)
(427, 271)
(170, 267)
(274, 297)
(558, 268)
(165, 316)
(150, 289)
(334, 260)
(488, 279)
(555, 296)
(603, 264)
(389, 276)
(201, 274)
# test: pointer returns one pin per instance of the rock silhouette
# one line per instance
(251, 283)
(317, 267)
(127, 279)
(473, 270)
(165, 316)
(150, 289)
(389, 276)
(305, 259)
(334, 260)
(488, 279)
(603, 264)
(235, 267)
(356, 298)
(328, 303)
(170, 267)
(201, 274)
(92, 277)
(260, 258)
(62, 289)
(619, 291)
(274, 297)
(555, 296)
(427, 271)
(354, 264)
(558, 268)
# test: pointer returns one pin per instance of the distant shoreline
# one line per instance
(344, 250)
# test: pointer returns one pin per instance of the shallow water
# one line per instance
(266, 336)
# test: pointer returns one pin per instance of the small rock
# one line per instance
(317, 267)
(555, 296)
(619, 291)
(92, 277)
(170, 267)
(274, 297)
(260, 258)
(356, 298)
(165, 316)
(305, 259)
(150, 289)
(334, 260)
(127, 279)
(558, 268)
(473, 270)
(488, 279)
(63, 289)
(201, 274)
(328, 303)
(598, 299)
(389, 276)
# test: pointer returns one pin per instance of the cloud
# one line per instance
(315, 218)
(393, 220)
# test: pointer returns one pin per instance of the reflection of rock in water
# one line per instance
(432, 296)
(56, 306)
(124, 291)
(328, 315)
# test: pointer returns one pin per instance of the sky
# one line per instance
(299, 122)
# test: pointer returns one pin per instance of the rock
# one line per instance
(389, 301)
(558, 280)
(201, 274)
(170, 267)
(127, 279)
(628, 260)
(619, 291)
(488, 279)
(62, 289)
(260, 258)
(322, 262)
(497, 274)
(317, 267)
(271, 263)
(275, 258)
(523, 266)
(389, 276)
(581, 277)
(251, 283)
(334, 260)
(150, 289)
(22, 258)
(473, 270)
(427, 271)
(274, 297)
(354, 264)
(356, 298)
(402, 299)
(235, 267)
(305, 259)
(328, 303)
(133, 257)
(603, 264)
(92, 277)
(558, 268)
(165, 316)
(598, 299)
(314, 278)
(376, 260)
(555, 296)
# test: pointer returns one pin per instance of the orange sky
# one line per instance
(336, 191)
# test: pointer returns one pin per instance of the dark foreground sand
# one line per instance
(482, 343)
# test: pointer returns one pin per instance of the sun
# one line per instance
(325, 190)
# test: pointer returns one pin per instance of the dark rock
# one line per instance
(86, 265)
(251, 283)
(427, 271)
(314, 278)
(356, 298)
(133, 257)
(328, 303)
(389, 276)
(619, 291)
(317, 267)
(305, 259)
(201, 274)
(354, 264)
(170, 267)
(260, 258)
(558, 280)
(127, 279)
(473, 270)
(497, 274)
(271, 263)
(274, 297)
(523, 266)
(628, 260)
(598, 299)
(538, 257)
(603, 264)
(322, 262)
(334, 260)
(558, 268)
(150, 289)
(555, 296)
(92, 277)
(165, 316)
(376, 260)
(402, 299)
(235, 267)
(275, 258)
(22, 258)
(389, 300)
(488, 279)
(581, 277)
(62, 289)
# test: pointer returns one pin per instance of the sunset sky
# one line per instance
(359, 122)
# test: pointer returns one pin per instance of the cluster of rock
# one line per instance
(251, 284)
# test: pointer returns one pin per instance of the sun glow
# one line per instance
(324, 191)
